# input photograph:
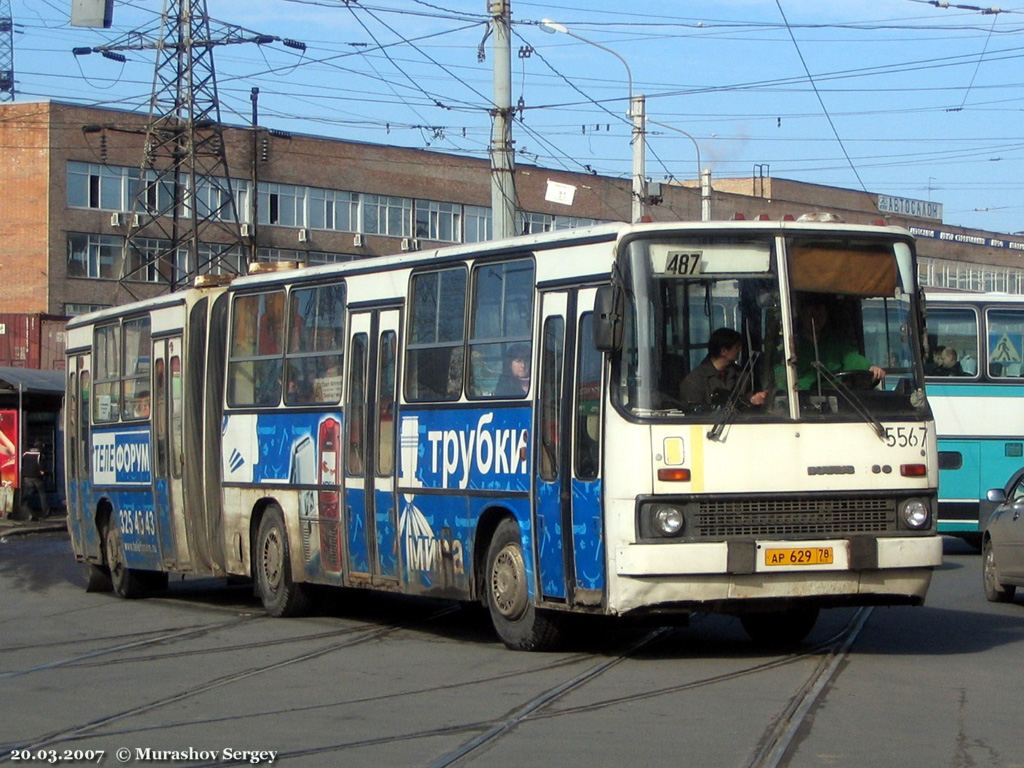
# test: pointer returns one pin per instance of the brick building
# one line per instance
(69, 172)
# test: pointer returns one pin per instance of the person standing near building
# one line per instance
(32, 474)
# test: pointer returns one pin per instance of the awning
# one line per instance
(31, 381)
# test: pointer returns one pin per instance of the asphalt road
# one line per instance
(200, 676)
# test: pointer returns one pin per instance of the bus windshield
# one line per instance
(707, 319)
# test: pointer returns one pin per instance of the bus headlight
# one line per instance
(666, 520)
(915, 514)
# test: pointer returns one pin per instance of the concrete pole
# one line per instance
(637, 110)
(503, 191)
(705, 195)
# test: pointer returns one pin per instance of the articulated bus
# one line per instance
(974, 381)
(504, 423)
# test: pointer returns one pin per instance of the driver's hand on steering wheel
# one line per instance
(877, 373)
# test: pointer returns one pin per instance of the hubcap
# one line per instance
(508, 582)
(272, 560)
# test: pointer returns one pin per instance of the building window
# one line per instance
(144, 257)
(329, 209)
(438, 221)
(478, 224)
(319, 257)
(387, 215)
(572, 222)
(73, 310)
(282, 204)
(96, 186)
(213, 259)
(95, 256)
(534, 223)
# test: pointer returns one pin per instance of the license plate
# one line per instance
(789, 556)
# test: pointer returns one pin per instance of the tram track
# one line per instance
(771, 750)
(357, 637)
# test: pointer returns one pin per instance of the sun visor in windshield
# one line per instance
(853, 271)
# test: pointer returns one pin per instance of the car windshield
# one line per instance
(706, 323)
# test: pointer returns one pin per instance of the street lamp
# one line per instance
(703, 177)
(636, 113)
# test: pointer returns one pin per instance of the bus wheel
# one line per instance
(272, 561)
(98, 579)
(518, 623)
(995, 592)
(126, 582)
(780, 629)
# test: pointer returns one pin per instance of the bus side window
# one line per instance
(255, 366)
(434, 358)
(501, 330)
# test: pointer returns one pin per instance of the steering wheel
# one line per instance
(857, 379)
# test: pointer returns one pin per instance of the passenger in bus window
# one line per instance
(710, 384)
(515, 378)
(818, 340)
(142, 406)
(934, 366)
(949, 364)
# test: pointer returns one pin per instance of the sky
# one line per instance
(918, 99)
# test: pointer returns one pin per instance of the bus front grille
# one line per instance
(793, 517)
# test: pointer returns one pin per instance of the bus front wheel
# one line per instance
(281, 596)
(516, 620)
(780, 629)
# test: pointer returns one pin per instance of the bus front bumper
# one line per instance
(859, 571)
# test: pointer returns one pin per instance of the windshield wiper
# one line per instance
(725, 415)
(855, 402)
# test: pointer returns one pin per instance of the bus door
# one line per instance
(371, 519)
(166, 458)
(77, 456)
(569, 526)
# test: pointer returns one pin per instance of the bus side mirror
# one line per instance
(608, 318)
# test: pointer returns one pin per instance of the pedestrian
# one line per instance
(32, 474)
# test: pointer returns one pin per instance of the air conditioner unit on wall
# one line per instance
(303, 235)
(410, 244)
(247, 230)
(405, 243)
(117, 219)
(357, 240)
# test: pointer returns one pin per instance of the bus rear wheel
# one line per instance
(281, 595)
(780, 629)
(126, 582)
(516, 620)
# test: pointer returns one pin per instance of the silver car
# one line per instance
(1002, 546)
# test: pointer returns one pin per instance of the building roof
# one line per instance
(31, 380)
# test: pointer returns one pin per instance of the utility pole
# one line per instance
(6, 52)
(638, 110)
(185, 219)
(503, 190)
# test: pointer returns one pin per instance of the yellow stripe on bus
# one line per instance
(697, 458)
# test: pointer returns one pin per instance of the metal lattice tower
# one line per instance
(185, 218)
(6, 52)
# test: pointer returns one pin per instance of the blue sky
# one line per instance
(897, 97)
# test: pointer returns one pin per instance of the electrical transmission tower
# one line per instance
(6, 52)
(185, 221)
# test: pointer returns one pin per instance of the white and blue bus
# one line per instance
(503, 423)
(975, 380)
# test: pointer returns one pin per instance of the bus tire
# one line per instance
(98, 579)
(515, 618)
(126, 582)
(280, 595)
(995, 591)
(779, 629)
